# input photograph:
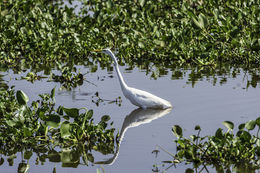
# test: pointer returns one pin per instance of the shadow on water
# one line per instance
(135, 118)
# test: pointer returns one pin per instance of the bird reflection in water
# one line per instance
(135, 118)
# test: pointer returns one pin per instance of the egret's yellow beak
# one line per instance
(97, 50)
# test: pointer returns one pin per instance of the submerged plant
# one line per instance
(241, 150)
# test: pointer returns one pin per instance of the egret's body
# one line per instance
(138, 97)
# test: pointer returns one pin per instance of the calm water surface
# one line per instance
(141, 131)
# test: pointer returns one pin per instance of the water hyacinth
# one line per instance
(44, 128)
(40, 35)
(224, 150)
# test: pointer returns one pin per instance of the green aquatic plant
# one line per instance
(8, 102)
(39, 35)
(166, 32)
(97, 100)
(69, 78)
(31, 76)
(240, 150)
(44, 127)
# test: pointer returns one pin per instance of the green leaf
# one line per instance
(168, 161)
(228, 124)
(197, 127)
(219, 133)
(66, 156)
(257, 121)
(190, 13)
(23, 167)
(89, 114)
(258, 142)
(105, 118)
(4, 12)
(2, 161)
(188, 154)
(54, 156)
(46, 129)
(250, 125)
(10, 123)
(181, 143)
(177, 131)
(189, 170)
(203, 20)
(109, 4)
(28, 155)
(241, 126)
(65, 129)
(140, 44)
(27, 132)
(180, 153)
(245, 136)
(196, 22)
(71, 112)
(53, 121)
(90, 157)
(53, 93)
(142, 2)
(70, 158)
(21, 97)
(60, 110)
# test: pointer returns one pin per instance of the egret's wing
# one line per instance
(147, 99)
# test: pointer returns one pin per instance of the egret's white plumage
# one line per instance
(138, 97)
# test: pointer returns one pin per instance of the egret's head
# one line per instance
(108, 52)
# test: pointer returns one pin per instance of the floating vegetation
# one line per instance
(69, 78)
(31, 77)
(158, 36)
(164, 32)
(39, 35)
(97, 100)
(44, 129)
(241, 150)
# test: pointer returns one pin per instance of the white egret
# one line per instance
(137, 97)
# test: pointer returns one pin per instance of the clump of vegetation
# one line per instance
(69, 77)
(200, 32)
(40, 32)
(39, 35)
(241, 150)
(42, 128)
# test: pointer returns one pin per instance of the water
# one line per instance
(206, 103)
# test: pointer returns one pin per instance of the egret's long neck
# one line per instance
(121, 79)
